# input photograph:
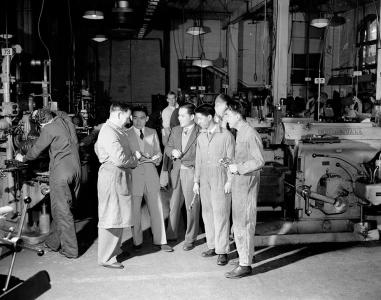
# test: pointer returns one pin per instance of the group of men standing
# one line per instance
(225, 173)
(211, 169)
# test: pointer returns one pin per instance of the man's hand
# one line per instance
(156, 158)
(233, 168)
(196, 188)
(176, 153)
(19, 157)
(228, 187)
(138, 155)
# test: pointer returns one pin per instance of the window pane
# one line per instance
(372, 31)
(371, 54)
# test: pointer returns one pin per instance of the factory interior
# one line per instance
(306, 72)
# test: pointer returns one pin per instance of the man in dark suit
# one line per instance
(181, 148)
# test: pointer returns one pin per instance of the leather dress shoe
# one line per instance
(222, 259)
(208, 253)
(188, 246)
(115, 265)
(239, 272)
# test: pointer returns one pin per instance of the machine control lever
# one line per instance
(306, 193)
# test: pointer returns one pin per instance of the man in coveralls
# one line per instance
(114, 185)
(245, 184)
(58, 134)
(212, 182)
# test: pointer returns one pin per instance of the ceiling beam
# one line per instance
(249, 8)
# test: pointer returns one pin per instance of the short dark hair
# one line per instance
(224, 98)
(189, 107)
(205, 110)
(171, 93)
(237, 107)
(141, 108)
(119, 106)
(43, 115)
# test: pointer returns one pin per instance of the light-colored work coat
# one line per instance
(145, 173)
(114, 177)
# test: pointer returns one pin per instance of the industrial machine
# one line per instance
(329, 179)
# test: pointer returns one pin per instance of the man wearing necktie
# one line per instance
(144, 142)
(181, 148)
(213, 182)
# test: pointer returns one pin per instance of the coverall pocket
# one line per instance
(121, 185)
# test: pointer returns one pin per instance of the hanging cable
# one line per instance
(38, 29)
(110, 67)
(130, 81)
(174, 43)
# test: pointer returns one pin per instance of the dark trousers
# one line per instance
(63, 192)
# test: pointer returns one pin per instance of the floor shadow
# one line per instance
(12, 282)
(29, 289)
(277, 257)
(87, 233)
(147, 247)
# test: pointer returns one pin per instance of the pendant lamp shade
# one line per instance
(196, 30)
(6, 36)
(320, 23)
(99, 38)
(93, 15)
(202, 63)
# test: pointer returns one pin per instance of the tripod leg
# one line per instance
(10, 271)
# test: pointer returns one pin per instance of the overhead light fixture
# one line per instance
(320, 23)
(6, 36)
(202, 63)
(122, 7)
(196, 30)
(93, 15)
(99, 38)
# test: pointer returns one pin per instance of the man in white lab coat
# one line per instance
(114, 185)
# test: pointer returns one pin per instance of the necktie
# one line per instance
(185, 130)
(141, 134)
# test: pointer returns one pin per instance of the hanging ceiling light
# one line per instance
(196, 30)
(320, 23)
(99, 38)
(202, 63)
(122, 7)
(6, 36)
(93, 15)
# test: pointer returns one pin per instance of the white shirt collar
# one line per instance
(137, 131)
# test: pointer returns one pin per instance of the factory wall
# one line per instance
(186, 46)
(131, 69)
(252, 51)
(253, 65)
(339, 49)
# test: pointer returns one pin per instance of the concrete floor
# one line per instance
(320, 271)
